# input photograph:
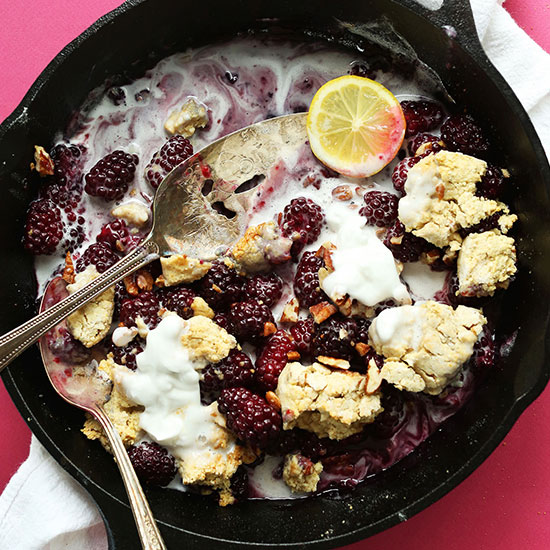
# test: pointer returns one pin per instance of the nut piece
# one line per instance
(269, 328)
(342, 193)
(290, 311)
(43, 163)
(68, 271)
(180, 268)
(362, 348)
(334, 362)
(273, 400)
(187, 119)
(133, 212)
(374, 378)
(144, 280)
(322, 311)
(130, 285)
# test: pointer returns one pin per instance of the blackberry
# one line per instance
(266, 288)
(421, 139)
(99, 255)
(401, 171)
(485, 352)
(146, 305)
(178, 299)
(174, 151)
(222, 286)
(273, 359)
(380, 208)
(404, 246)
(421, 116)
(239, 484)
(249, 318)
(126, 355)
(306, 280)
(335, 337)
(120, 295)
(302, 221)
(153, 464)
(461, 133)
(109, 178)
(250, 416)
(302, 333)
(492, 184)
(222, 320)
(44, 228)
(484, 225)
(235, 370)
(117, 236)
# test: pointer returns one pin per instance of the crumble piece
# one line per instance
(327, 402)
(261, 246)
(43, 163)
(124, 414)
(133, 212)
(425, 345)
(180, 268)
(301, 474)
(200, 307)
(440, 198)
(187, 119)
(205, 340)
(91, 323)
(486, 262)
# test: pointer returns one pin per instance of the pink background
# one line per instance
(504, 504)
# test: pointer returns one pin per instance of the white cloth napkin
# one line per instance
(43, 508)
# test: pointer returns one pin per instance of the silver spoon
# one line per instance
(185, 219)
(81, 385)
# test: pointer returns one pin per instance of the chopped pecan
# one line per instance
(325, 252)
(43, 163)
(293, 356)
(68, 271)
(131, 286)
(161, 281)
(322, 311)
(144, 280)
(290, 311)
(342, 193)
(273, 400)
(334, 362)
(269, 328)
(362, 348)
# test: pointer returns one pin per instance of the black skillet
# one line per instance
(147, 30)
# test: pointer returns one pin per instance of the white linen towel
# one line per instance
(43, 508)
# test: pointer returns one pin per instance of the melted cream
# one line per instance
(399, 324)
(363, 267)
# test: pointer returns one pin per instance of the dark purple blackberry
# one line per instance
(99, 255)
(421, 116)
(174, 151)
(421, 139)
(484, 225)
(235, 370)
(405, 247)
(239, 484)
(461, 133)
(153, 464)
(449, 294)
(68, 163)
(65, 347)
(126, 355)
(178, 299)
(248, 319)
(485, 352)
(273, 359)
(44, 228)
(401, 172)
(117, 236)
(222, 320)
(146, 305)
(222, 286)
(109, 178)
(302, 221)
(250, 417)
(336, 337)
(265, 288)
(302, 332)
(380, 208)
(306, 280)
(120, 295)
(362, 329)
(492, 184)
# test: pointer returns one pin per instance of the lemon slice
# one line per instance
(355, 126)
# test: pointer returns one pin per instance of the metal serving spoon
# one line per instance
(78, 382)
(186, 218)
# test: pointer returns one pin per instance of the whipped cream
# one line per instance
(399, 324)
(166, 383)
(363, 267)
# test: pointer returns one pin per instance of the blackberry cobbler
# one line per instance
(336, 335)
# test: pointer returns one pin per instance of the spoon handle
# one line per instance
(149, 533)
(19, 339)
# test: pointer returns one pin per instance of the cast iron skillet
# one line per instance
(147, 30)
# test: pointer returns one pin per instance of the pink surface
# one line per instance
(504, 505)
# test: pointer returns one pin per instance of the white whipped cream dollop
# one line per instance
(398, 326)
(166, 383)
(363, 267)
